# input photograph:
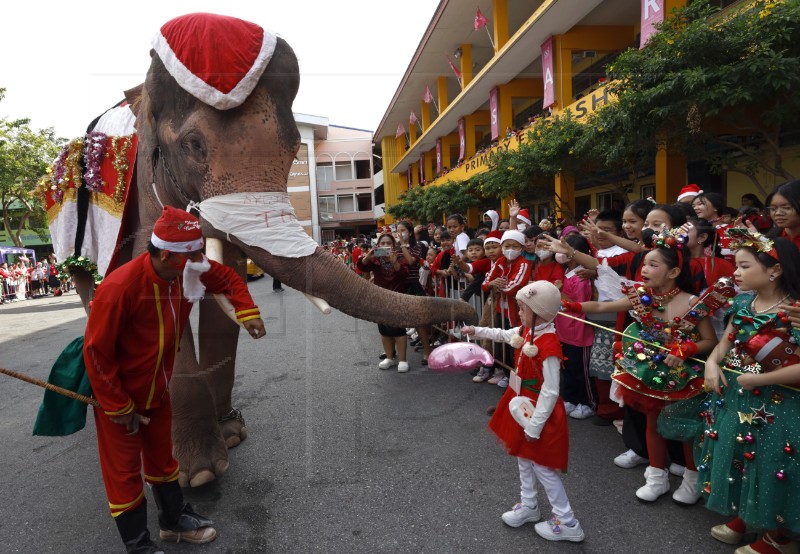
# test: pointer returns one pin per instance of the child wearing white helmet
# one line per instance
(530, 419)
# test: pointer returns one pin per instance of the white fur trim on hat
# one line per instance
(513, 235)
(543, 297)
(516, 341)
(204, 92)
(187, 246)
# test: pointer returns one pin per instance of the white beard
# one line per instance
(193, 287)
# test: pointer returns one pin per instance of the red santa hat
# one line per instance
(524, 217)
(177, 231)
(215, 58)
(689, 190)
(494, 236)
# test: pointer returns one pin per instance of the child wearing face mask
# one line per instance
(576, 337)
(547, 269)
(510, 274)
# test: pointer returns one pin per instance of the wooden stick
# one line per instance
(50, 386)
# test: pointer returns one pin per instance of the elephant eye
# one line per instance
(195, 147)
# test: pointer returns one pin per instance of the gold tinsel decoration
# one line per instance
(120, 147)
(72, 165)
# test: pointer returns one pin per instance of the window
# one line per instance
(364, 201)
(362, 169)
(648, 191)
(324, 176)
(604, 200)
(345, 203)
(344, 171)
(327, 207)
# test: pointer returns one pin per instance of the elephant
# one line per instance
(188, 152)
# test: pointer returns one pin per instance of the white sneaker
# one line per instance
(402, 367)
(483, 374)
(657, 483)
(496, 377)
(386, 363)
(676, 470)
(569, 407)
(629, 459)
(581, 411)
(553, 530)
(410, 331)
(520, 514)
(503, 383)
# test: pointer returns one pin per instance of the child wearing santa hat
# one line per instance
(530, 420)
(511, 272)
(689, 193)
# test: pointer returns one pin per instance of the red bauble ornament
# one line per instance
(780, 476)
(713, 435)
(756, 392)
(788, 449)
(749, 456)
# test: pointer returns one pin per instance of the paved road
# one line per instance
(342, 457)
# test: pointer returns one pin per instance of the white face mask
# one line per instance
(561, 258)
(511, 255)
(543, 254)
(521, 226)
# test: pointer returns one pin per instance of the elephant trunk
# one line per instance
(323, 276)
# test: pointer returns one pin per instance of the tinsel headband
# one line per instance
(743, 237)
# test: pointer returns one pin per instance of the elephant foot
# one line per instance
(203, 457)
(233, 428)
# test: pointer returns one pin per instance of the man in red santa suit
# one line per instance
(134, 329)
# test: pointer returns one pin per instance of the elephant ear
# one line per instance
(134, 98)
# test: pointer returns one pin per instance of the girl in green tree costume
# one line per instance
(750, 466)
(653, 368)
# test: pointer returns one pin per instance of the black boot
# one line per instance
(177, 520)
(132, 527)
(173, 513)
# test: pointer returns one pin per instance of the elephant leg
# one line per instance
(218, 339)
(197, 441)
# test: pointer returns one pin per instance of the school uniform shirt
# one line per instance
(460, 244)
(795, 239)
(135, 327)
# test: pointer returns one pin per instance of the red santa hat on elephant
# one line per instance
(222, 76)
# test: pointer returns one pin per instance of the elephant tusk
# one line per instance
(319, 303)
(214, 252)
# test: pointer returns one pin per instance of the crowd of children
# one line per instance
(645, 340)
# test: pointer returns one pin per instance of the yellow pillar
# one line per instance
(441, 92)
(563, 72)
(414, 174)
(430, 165)
(565, 194)
(400, 146)
(469, 136)
(504, 212)
(500, 22)
(412, 133)
(394, 183)
(472, 217)
(447, 141)
(466, 65)
(505, 110)
(425, 116)
(671, 174)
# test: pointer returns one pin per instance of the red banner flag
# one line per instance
(400, 131)
(547, 74)
(494, 117)
(480, 20)
(412, 118)
(456, 71)
(427, 97)
(438, 156)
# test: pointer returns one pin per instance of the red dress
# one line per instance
(552, 447)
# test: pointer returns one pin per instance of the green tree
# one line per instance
(25, 155)
(722, 87)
